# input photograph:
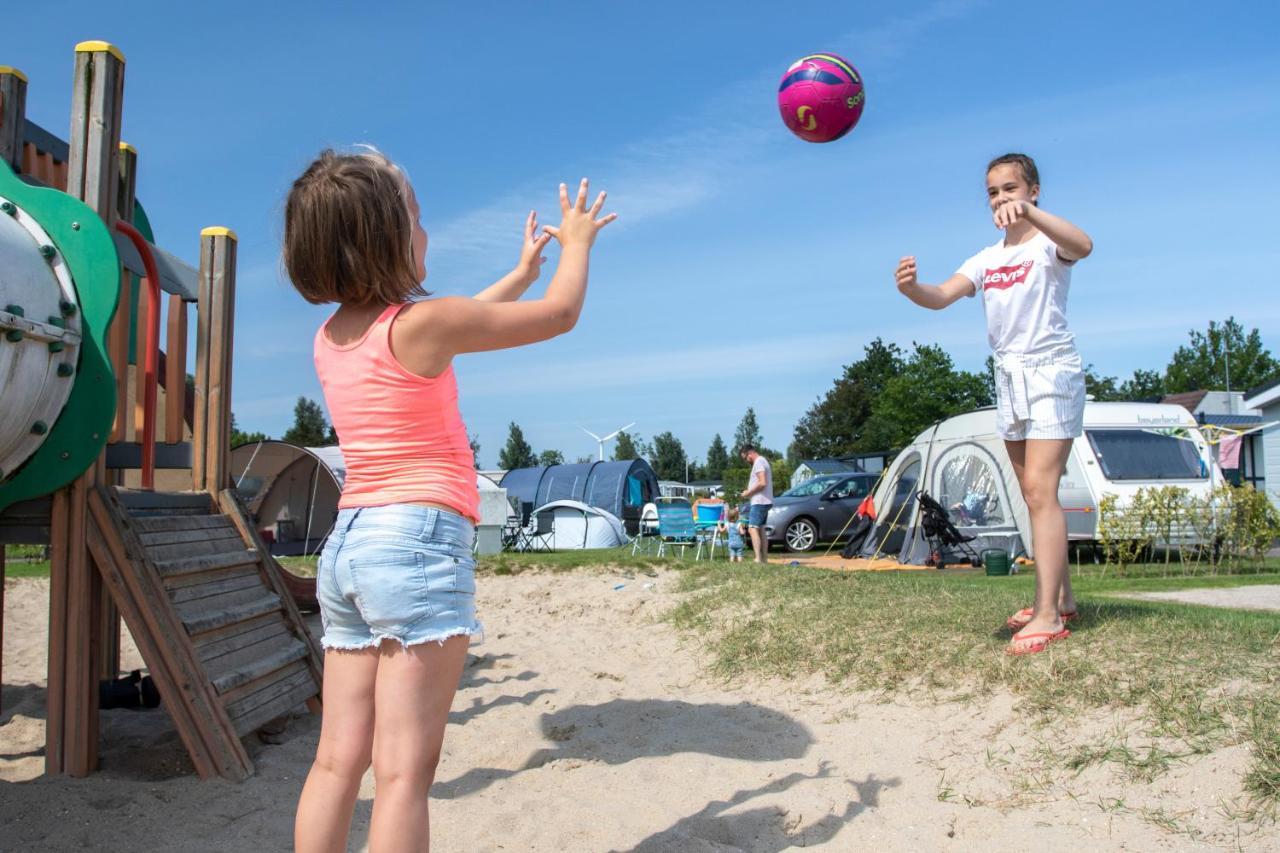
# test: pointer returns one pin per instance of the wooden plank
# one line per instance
(59, 542)
(291, 694)
(158, 621)
(151, 541)
(195, 611)
(199, 548)
(13, 117)
(2, 549)
(199, 623)
(270, 659)
(184, 581)
(175, 383)
(226, 654)
(222, 292)
(184, 522)
(174, 537)
(249, 695)
(232, 632)
(209, 589)
(189, 565)
(200, 390)
(146, 500)
(232, 509)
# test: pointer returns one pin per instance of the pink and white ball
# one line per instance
(821, 97)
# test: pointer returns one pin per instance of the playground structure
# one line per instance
(95, 414)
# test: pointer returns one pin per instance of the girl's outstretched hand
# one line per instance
(531, 259)
(1010, 212)
(906, 273)
(580, 224)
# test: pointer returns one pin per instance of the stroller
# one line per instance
(946, 543)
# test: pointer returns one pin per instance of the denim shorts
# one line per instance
(399, 572)
(757, 514)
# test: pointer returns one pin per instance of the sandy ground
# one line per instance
(1256, 597)
(583, 724)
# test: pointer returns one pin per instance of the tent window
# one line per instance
(635, 495)
(970, 491)
(1135, 454)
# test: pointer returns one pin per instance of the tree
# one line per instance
(310, 429)
(747, 433)
(928, 389)
(1104, 389)
(834, 425)
(238, 438)
(717, 459)
(1224, 356)
(517, 453)
(624, 450)
(583, 460)
(474, 441)
(551, 457)
(1145, 385)
(668, 457)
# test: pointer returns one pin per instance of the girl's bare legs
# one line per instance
(343, 754)
(1039, 464)
(415, 689)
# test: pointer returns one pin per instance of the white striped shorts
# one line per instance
(1040, 396)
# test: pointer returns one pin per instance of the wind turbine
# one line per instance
(607, 437)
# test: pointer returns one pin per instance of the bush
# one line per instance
(1231, 524)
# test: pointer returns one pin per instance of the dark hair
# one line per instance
(348, 233)
(1025, 164)
(747, 448)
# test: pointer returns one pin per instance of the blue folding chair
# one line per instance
(676, 528)
(706, 521)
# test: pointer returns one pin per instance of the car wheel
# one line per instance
(801, 535)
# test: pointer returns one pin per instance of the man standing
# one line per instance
(760, 491)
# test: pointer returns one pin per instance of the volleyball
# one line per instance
(821, 97)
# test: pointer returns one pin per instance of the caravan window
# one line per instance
(969, 489)
(1138, 454)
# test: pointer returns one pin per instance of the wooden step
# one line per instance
(141, 503)
(198, 623)
(206, 562)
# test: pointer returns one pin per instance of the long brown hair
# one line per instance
(348, 235)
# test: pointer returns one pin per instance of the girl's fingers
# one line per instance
(581, 203)
(564, 198)
(551, 230)
(595, 208)
(606, 220)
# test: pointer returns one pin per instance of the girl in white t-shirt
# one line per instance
(1023, 279)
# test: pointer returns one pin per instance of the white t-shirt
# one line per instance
(1024, 293)
(765, 495)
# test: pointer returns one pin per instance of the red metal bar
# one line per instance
(151, 370)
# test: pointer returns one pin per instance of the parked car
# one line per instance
(817, 510)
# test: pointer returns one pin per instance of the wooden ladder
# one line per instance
(210, 613)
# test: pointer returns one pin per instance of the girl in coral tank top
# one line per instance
(396, 579)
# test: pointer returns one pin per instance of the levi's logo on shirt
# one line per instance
(1002, 278)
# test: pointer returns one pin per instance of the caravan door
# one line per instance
(1078, 501)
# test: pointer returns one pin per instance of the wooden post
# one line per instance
(13, 115)
(118, 340)
(175, 377)
(215, 335)
(75, 589)
(2, 547)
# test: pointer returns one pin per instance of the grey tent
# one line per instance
(292, 494)
(619, 488)
(576, 526)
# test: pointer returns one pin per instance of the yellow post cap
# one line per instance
(218, 231)
(9, 69)
(98, 47)
(124, 146)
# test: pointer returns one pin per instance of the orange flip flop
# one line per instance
(1019, 620)
(1040, 640)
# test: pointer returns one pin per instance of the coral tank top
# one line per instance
(401, 435)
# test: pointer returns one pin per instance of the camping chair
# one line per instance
(647, 532)
(676, 528)
(707, 515)
(944, 539)
(540, 536)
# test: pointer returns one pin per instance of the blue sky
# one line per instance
(747, 266)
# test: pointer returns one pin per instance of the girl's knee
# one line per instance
(406, 767)
(344, 763)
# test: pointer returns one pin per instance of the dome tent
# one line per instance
(576, 526)
(292, 493)
(620, 488)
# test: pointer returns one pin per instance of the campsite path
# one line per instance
(1256, 597)
(583, 723)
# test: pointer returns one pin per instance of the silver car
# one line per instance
(817, 510)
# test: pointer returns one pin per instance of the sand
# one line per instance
(584, 724)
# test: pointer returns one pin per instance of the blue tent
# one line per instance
(621, 488)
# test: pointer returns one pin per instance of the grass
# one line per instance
(1196, 678)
